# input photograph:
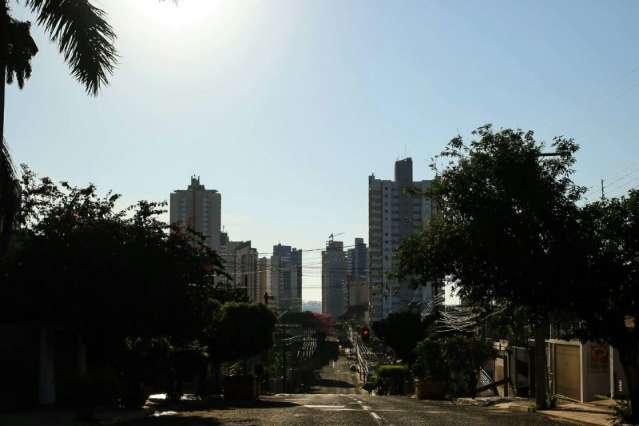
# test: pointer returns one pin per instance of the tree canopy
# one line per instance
(402, 331)
(84, 38)
(506, 220)
(242, 330)
(506, 229)
(607, 302)
(81, 263)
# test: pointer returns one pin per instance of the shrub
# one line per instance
(430, 361)
(391, 379)
(465, 355)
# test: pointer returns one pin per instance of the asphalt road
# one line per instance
(343, 409)
(336, 399)
(337, 378)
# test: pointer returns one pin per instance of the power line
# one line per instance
(305, 250)
(622, 177)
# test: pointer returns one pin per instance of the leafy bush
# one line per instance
(391, 379)
(464, 356)
(430, 361)
(403, 343)
(456, 358)
(242, 330)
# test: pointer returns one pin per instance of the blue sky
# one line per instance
(286, 106)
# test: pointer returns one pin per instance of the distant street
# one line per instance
(345, 409)
(337, 378)
(337, 400)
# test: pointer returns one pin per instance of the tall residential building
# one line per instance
(240, 262)
(393, 214)
(357, 260)
(357, 275)
(198, 208)
(286, 279)
(264, 280)
(334, 291)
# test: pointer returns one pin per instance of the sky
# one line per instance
(287, 106)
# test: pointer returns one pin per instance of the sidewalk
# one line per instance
(60, 417)
(598, 413)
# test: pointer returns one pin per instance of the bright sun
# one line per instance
(172, 15)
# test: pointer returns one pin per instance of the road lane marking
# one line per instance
(376, 416)
(323, 406)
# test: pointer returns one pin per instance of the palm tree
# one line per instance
(84, 38)
(9, 197)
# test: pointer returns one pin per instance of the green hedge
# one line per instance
(391, 379)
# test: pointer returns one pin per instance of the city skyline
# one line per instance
(292, 97)
(319, 212)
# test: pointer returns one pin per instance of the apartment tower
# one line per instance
(396, 209)
(198, 208)
(334, 290)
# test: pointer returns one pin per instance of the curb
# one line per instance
(554, 414)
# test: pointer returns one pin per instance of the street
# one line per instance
(344, 409)
(337, 378)
(337, 400)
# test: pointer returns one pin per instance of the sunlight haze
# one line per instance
(287, 106)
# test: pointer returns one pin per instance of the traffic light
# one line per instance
(366, 334)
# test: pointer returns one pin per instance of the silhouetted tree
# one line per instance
(608, 298)
(505, 229)
(241, 331)
(84, 38)
(401, 331)
(9, 197)
(105, 273)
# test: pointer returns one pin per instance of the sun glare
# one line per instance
(169, 14)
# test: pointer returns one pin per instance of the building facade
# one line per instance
(357, 275)
(241, 264)
(393, 214)
(264, 279)
(334, 289)
(199, 209)
(286, 279)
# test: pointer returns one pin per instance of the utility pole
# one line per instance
(284, 366)
(603, 194)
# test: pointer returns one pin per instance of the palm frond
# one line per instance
(9, 197)
(20, 49)
(84, 37)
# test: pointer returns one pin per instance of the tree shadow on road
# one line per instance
(217, 404)
(330, 383)
(200, 412)
(174, 420)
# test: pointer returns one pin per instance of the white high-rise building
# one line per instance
(198, 208)
(393, 214)
(286, 279)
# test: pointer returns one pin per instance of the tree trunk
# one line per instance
(629, 357)
(2, 90)
(541, 376)
(3, 63)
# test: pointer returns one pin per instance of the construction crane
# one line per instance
(332, 236)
